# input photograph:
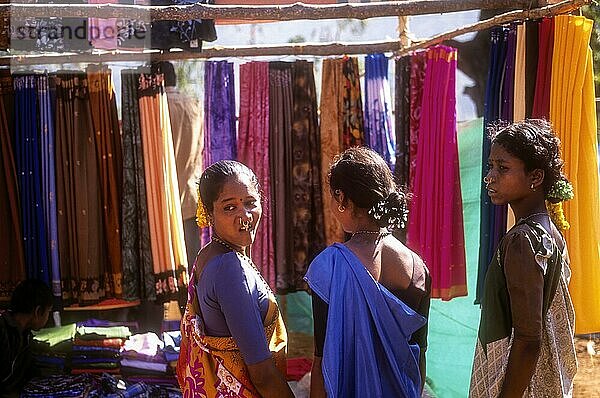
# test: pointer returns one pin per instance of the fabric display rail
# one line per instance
(562, 93)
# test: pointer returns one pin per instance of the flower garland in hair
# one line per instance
(560, 191)
(201, 216)
(381, 209)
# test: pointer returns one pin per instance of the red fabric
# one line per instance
(253, 151)
(113, 343)
(541, 100)
(297, 368)
(417, 75)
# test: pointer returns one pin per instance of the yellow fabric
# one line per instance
(519, 89)
(332, 111)
(573, 114)
(213, 366)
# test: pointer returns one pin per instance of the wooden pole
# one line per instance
(309, 49)
(256, 13)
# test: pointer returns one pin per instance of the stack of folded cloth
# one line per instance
(97, 346)
(143, 360)
(51, 349)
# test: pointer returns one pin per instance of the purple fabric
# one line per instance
(379, 132)
(234, 301)
(92, 322)
(219, 118)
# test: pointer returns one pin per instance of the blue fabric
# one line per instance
(29, 172)
(234, 301)
(366, 351)
(46, 118)
(379, 133)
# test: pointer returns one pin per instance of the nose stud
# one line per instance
(245, 223)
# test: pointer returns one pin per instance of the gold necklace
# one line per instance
(541, 213)
(227, 245)
(366, 232)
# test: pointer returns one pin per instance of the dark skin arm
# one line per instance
(317, 384)
(268, 380)
(521, 365)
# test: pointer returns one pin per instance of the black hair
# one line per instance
(367, 181)
(30, 294)
(535, 143)
(214, 177)
(168, 71)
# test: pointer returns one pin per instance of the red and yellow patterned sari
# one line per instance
(211, 366)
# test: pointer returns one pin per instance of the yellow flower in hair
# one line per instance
(555, 210)
(201, 216)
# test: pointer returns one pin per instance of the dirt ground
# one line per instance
(587, 381)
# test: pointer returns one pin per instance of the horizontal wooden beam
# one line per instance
(307, 49)
(256, 13)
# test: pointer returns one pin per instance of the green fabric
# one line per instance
(453, 324)
(53, 336)
(298, 316)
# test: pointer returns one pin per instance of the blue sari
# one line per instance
(366, 352)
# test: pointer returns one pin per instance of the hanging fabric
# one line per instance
(531, 64)
(280, 155)
(164, 208)
(353, 128)
(253, 151)
(307, 207)
(435, 229)
(48, 152)
(519, 86)
(495, 107)
(12, 258)
(379, 131)
(29, 175)
(418, 63)
(138, 279)
(80, 238)
(573, 115)
(332, 118)
(105, 123)
(541, 102)
(402, 120)
(219, 118)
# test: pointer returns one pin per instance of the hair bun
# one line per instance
(392, 211)
(560, 191)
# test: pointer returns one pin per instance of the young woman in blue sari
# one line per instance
(370, 294)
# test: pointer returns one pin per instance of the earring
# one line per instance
(486, 179)
(532, 187)
(341, 208)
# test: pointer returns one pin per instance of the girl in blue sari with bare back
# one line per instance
(370, 294)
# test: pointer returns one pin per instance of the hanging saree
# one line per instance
(29, 175)
(12, 258)
(280, 156)
(105, 122)
(47, 138)
(402, 119)
(353, 128)
(162, 192)
(219, 118)
(253, 151)
(379, 131)
(418, 61)
(80, 238)
(573, 115)
(331, 116)
(435, 229)
(531, 64)
(307, 206)
(138, 280)
(519, 86)
(211, 366)
(491, 214)
(541, 101)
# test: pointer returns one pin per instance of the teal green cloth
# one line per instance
(453, 324)
(54, 336)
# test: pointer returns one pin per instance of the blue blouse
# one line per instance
(234, 301)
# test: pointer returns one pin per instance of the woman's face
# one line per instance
(506, 179)
(237, 211)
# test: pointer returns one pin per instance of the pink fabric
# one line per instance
(102, 33)
(435, 229)
(253, 151)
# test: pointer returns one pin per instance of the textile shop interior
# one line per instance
(119, 145)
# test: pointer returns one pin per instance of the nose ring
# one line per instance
(245, 223)
(487, 179)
